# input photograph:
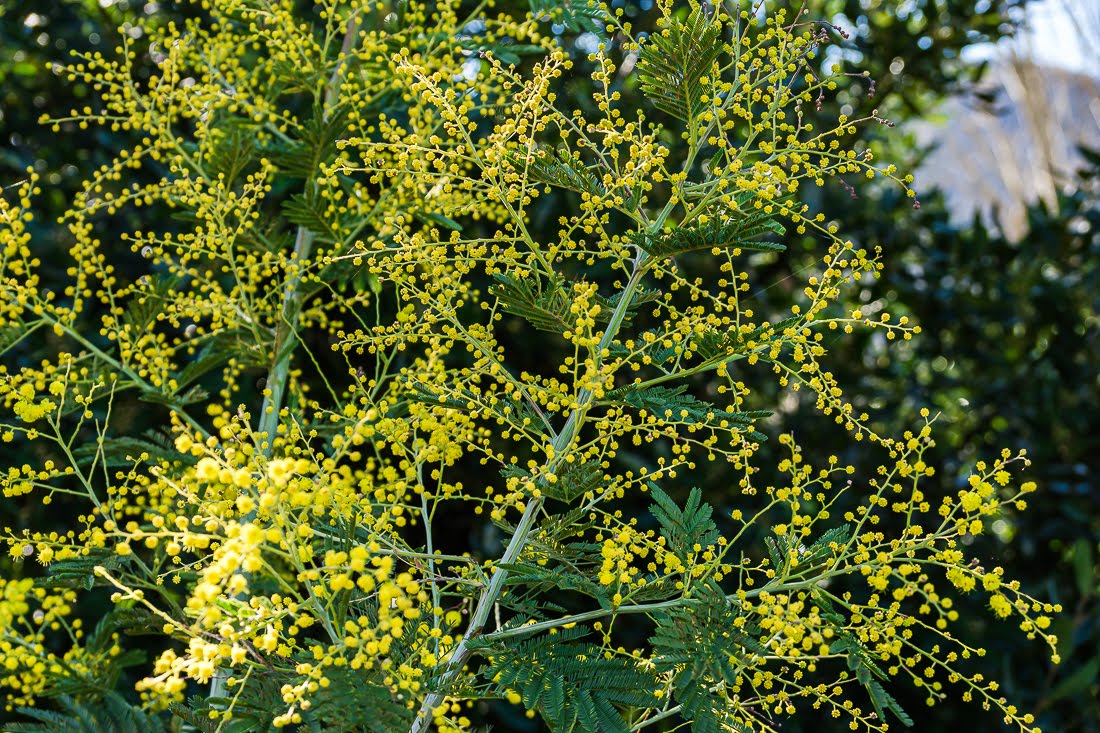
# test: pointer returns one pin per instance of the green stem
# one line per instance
(285, 345)
(577, 618)
(287, 330)
(781, 587)
(286, 333)
(659, 716)
(518, 542)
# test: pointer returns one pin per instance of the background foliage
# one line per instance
(1011, 339)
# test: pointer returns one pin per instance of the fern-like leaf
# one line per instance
(309, 211)
(544, 303)
(79, 572)
(372, 709)
(673, 405)
(560, 169)
(109, 714)
(515, 410)
(713, 344)
(573, 480)
(683, 528)
(867, 672)
(532, 578)
(736, 233)
(674, 62)
(703, 645)
(576, 16)
(563, 169)
(217, 349)
(572, 684)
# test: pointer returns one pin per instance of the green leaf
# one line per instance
(775, 553)
(142, 310)
(175, 399)
(195, 716)
(109, 713)
(658, 351)
(535, 578)
(293, 158)
(79, 572)
(124, 451)
(342, 272)
(718, 233)
(543, 303)
(465, 401)
(640, 298)
(560, 168)
(576, 480)
(306, 210)
(683, 528)
(546, 303)
(884, 702)
(560, 528)
(704, 645)
(230, 146)
(578, 16)
(863, 674)
(217, 349)
(563, 168)
(675, 60)
(373, 708)
(823, 547)
(671, 405)
(514, 410)
(573, 479)
(571, 684)
(781, 546)
(712, 344)
(862, 663)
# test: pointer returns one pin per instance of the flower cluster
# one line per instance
(334, 319)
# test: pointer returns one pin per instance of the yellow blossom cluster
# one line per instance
(346, 258)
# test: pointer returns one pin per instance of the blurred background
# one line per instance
(997, 106)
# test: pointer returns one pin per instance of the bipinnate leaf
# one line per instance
(674, 62)
(867, 672)
(736, 233)
(564, 169)
(705, 645)
(683, 528)
(574, 685)
(575, 16)
(712, 344)
(546, 302)
(111, 713)
(673, 405)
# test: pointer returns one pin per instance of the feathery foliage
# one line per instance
(340, 220)
(675, 62)
(575, 685)
(735, 234)
(577, 16)
(110, 714)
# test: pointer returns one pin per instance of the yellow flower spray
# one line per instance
(354, 193)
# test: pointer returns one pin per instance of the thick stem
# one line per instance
(520, 537)
(286, 330)
(285, 337)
